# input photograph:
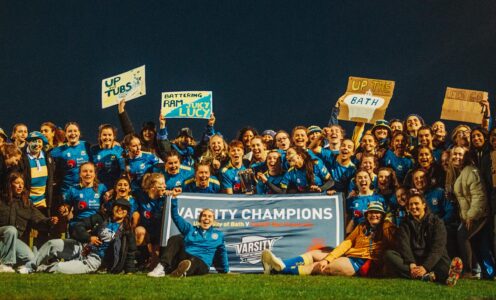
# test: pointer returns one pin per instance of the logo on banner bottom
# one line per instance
(249, 250)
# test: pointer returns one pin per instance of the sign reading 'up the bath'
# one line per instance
(365, 100)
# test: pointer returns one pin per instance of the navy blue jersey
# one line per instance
(439, 204)
(139, 166)
(68, 159)
(229, 178)
(400, 165)
(263, 188)
(84, 200)
(150, 211)
(213, 187)
(109, 164)
(296, 178)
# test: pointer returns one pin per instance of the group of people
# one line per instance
(419, 202)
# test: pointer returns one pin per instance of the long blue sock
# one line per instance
(292, 265)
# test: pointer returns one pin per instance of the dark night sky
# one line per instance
(270, 64)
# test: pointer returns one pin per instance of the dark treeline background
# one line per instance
(270, 64)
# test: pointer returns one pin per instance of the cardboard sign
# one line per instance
(192, 104)
(365, 100)
(285, 224)
(128, 85)
(463, 105)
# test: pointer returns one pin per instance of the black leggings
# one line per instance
(174, 253)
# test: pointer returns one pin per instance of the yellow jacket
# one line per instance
(359, 244)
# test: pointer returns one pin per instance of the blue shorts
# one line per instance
(357, 263)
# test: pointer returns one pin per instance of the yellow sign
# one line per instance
(365, 100)
(128, 85)
(463, 105)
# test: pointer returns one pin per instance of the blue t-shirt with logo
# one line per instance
(68, 160)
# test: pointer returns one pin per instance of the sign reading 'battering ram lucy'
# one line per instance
(365, 100)
(192, 104)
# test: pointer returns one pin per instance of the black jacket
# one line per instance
(19, 215)
(124, 243)
(422, 242)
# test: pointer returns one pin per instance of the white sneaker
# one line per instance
(157, 272)
(24, 270)
(270, 261)
(6, 269)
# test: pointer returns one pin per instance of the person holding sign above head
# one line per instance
(148, 132)
(203, 182)
(195, 253)
(184, 144)
(360, 254)
(137, 162)
(229, 178)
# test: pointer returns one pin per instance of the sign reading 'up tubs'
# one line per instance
(365, 100)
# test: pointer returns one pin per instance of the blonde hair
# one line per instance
(150, 179)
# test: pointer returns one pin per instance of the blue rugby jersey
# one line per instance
(400, 165)
(439, 204)
(263, 188)
(69, 159)
(297, 177)
(229, 178)
(109, 164)
(39, 177)
(176, 180)
(85, 201)
(150, 211)
(340, 174)
(213, 187)
(357, 206)
(139, 166)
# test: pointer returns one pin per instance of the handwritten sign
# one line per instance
(128, 85)
(463, 105)
(365, 99)
(192, 104)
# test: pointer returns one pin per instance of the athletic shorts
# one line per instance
(357, 263)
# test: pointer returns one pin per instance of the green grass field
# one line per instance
(102, 286)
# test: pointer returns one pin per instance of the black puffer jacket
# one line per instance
(422, 242)
(120, 255)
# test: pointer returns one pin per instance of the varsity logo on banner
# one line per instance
(288, 225)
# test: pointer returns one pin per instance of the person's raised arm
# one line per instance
(124, 120)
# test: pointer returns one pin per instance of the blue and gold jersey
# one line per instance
(229, 178)
(39, 177)
(296, 178)
(177, 180)
(213, 187)
(263, 188)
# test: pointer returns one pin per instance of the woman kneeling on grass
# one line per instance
(358, 254)
(421, 246)
(194, 253)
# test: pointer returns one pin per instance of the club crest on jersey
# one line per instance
(83, 153)
(249, 250)
(435, 201)
(215, 236)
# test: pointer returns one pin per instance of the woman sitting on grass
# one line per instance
(194, 253)
(358, 254)
(421, 246)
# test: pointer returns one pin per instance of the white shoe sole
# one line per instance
(274, 261)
